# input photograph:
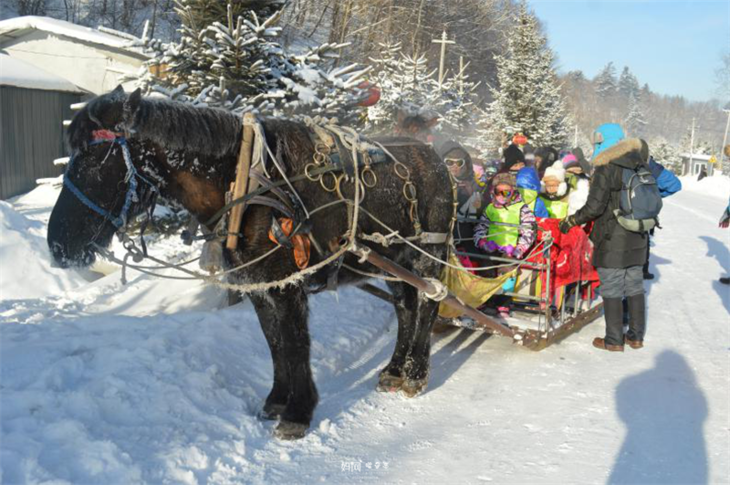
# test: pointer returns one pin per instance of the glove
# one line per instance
(483, 245)
(725, 220)
(566, 224)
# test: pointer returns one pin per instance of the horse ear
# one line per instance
(131, 105)
(432, 122)
(118, 90)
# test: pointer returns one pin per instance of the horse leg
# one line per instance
(416, 369)
(290, 311)
(391, 377)
(277, 398)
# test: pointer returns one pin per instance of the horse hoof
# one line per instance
(414, 387)
(272, 412)
(287, 430)
(388, 383)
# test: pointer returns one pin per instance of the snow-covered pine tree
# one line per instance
(406, 86)
(605, 81)
(667, 154)
(237, 63)
(635, 120)
(457, 101)
(628, 85)
(528, 98)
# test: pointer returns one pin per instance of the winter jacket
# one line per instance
(469, 206)
(614, 246)
(528, 186)
(557, 204)
(667, 183)
(521, 238)
(578, 195)
(610, 134)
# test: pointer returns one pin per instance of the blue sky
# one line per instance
(674, 46)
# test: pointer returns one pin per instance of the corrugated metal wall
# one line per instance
(31, 136)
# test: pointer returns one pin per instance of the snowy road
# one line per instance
(154, 383)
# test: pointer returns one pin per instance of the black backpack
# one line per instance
(640, 202)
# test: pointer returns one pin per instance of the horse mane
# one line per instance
(173, 125)
(178, 126)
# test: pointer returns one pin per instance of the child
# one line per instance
(528, 185)
(497, 231)
(555, 192)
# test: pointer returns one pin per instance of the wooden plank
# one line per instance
(242, 179)
(427, 287)
(535, 341)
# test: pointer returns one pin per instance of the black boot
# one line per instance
(725, 280)
(637, 321)
(613, 310)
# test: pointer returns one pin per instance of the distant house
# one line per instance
(33, 104)
(46, 65)
(92, 60)
(692, 165)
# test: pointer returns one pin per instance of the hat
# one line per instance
(606, 136)
(512, 155)
(504, 178)
(570, 161)
(555, 171)
(584, 164)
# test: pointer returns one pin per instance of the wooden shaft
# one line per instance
(422, 285)
(241, 185)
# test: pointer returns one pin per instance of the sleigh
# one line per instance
(554, 293)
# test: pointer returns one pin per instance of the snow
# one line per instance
(158, 382)
(14, 72)
(717, 186)
(61, 27)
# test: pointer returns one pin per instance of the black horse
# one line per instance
(189, 156)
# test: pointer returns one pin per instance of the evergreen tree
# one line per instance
(528, 98)
(606, 81)
(667, 154)
(628, 85)
(457, 100)
(635, 121)
(239, 65)
(406, 86)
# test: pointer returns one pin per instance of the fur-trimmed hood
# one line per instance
(627, 153)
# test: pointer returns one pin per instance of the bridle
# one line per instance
(132, 178)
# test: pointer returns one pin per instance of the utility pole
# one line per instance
(575, 137)
(691, 147)
(444, 40)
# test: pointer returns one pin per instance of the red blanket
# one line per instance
(571, 255)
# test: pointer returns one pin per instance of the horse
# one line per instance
(125, 146)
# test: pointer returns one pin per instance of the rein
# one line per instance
(120, 221)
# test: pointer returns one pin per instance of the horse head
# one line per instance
(102, 188)
(416, 126)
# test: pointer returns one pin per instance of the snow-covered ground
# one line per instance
(158, 382)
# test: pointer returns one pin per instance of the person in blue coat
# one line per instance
(528, 185)
(668, 184)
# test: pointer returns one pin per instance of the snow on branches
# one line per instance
(409, 87)
(238, 64)
(528, 99)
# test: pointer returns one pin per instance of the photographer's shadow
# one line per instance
(664, 412)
